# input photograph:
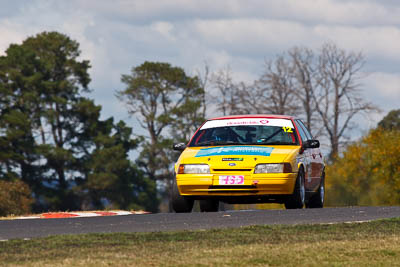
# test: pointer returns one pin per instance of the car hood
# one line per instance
(243, 156)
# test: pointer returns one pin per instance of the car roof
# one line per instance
(270, 116)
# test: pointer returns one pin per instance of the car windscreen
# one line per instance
(253, 131)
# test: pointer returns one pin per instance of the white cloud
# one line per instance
(373, 41)
(117, 35)
(9, 35)
(382, 90)
(343, 12)
(385, 85)
(250, 39)
(164, 28)
(337, 12)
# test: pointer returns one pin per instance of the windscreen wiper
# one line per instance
(274, 143)
(264, 140)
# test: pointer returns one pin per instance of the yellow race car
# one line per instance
(249, 159)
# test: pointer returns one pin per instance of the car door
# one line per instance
(308, 183)
(316, 160)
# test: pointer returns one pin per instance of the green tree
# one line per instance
(110, 173)
(18, 152)
(167, 103)
(52, 137)
(391, 121)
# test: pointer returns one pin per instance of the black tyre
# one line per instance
(317, 200)
(180, 203)
(297, 199)
(209, 205)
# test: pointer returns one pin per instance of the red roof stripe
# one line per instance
(268, 116)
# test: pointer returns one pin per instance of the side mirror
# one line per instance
(179, 146)
(311, 144)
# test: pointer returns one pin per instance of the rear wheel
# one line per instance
(317, 200)
(297, 199)
(209, 205)
(180, 203)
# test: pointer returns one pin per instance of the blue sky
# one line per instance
(117, 35)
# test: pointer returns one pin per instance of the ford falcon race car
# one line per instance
(249, 159)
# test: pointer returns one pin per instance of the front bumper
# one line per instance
(254, 184)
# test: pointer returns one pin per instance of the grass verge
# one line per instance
(360, 244)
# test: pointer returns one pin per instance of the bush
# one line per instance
(15, 198)
(368, 173)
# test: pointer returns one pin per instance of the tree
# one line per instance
(204, 80)
(15, 198)
(322, 88)
(41, 80)
(250, 99)
(391, 121)
(167, 103)
(368, 172)
(52, 136)
(18, 152)
(272, 93)
(110, 175)
(304, 85)
(277, 83)
(339, 99)
(226, 96)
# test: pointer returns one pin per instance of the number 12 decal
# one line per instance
(287, 129)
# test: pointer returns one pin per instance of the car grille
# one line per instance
(232, 170)
(233, 189)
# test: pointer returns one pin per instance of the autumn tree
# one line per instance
(368, 172)
(15, 198)
(167, 103)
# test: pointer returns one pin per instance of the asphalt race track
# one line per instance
(31, 228)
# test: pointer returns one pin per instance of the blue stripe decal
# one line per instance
(235, 150)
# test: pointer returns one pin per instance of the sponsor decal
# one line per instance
(245, 122)
(250, 121)
(235, 150)
(232, 159)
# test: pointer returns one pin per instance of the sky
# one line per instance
(120, 34)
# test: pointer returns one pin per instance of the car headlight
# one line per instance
(273, 168)
(193, 168)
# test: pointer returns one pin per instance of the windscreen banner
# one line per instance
(247, 122)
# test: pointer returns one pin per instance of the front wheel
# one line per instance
(209, 205)
(317, 200)
(297, 199)
(180, 203)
